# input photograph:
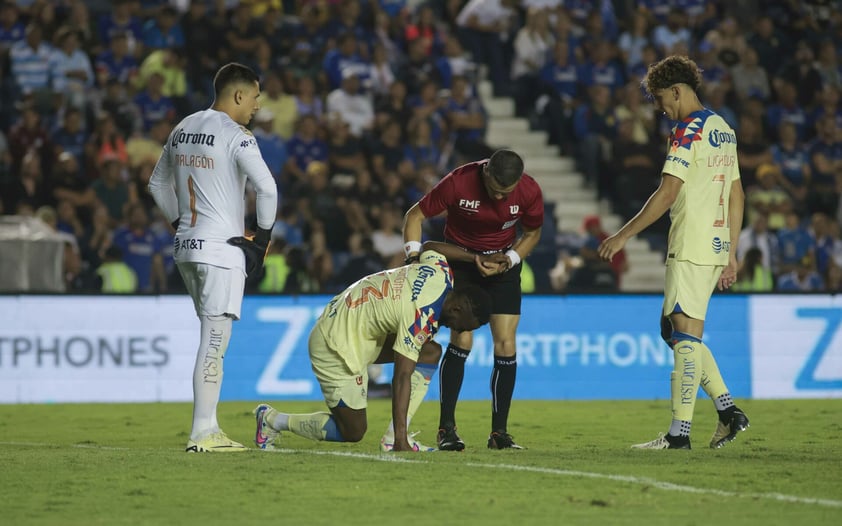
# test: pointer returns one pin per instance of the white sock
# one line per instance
(207, 373)
(419, 384)
(279, 422)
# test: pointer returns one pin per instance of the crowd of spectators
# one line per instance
(771, 69)
(367, 103)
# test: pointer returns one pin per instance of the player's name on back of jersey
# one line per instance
(195, 161)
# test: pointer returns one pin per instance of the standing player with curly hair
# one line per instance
(701, 187)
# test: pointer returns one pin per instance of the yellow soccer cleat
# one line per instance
(214, 443)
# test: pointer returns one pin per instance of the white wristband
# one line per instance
(514, 257)
(411, 246)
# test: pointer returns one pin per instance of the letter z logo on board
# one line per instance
(796, 346)
(297, 320)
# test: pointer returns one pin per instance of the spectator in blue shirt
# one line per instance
(152, 104)
(823, 241)
(120, 20)
(71, 72)
(828, 105)
(303, 148)
(142, 250)
(345, 55)
(347, 21)
(116, 62)
(272, 146)
(420, 148)
(595, 124)
(787, 109)
(71, 136)
(794, 242)
(792, 158)
(601, 69)
(12, 29)
(560, 82)
(825, 153)
(29, 61)
(468, 120)
(803, 279)
(163, 31)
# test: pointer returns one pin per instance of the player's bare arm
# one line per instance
(736, 204)
(656, 206)
(523, 246)
(401, 387)
(412, 223)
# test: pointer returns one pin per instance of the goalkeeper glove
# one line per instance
(254, 248)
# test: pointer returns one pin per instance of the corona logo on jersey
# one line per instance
(181, 137)
(716, 138)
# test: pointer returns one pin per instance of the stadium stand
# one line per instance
(368, 103)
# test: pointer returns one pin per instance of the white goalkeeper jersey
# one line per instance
(200, 179)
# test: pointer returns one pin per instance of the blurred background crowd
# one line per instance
(366, 104)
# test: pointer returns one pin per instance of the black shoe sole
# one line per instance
(452, 446)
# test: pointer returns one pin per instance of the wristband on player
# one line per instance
(411, 246)
(513, 256)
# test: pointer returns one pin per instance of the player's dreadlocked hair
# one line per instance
(233, 73)
(672, 70)
(480, 302)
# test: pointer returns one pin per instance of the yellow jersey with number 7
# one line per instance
(703, 154)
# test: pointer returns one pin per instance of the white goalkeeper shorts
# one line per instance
(216, 291)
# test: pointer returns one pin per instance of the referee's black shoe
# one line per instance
(448, 440)
(502, 440)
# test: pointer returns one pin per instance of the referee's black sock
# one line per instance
(502, 388)
(450, 383)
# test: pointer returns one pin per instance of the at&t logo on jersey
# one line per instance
(718, 245)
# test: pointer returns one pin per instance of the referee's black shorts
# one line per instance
(504, 288)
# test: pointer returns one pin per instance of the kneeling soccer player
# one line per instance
(388, 316)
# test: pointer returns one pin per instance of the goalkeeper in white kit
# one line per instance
(199, 184)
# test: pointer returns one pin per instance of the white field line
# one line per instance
(385, 457)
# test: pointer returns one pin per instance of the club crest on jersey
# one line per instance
(179, 136)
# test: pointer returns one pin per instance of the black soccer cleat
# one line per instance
(448, 440)
(727, 431)
(502, 440)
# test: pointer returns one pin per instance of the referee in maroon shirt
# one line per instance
(485, 202)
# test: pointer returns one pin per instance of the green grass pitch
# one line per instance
(124, 464)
